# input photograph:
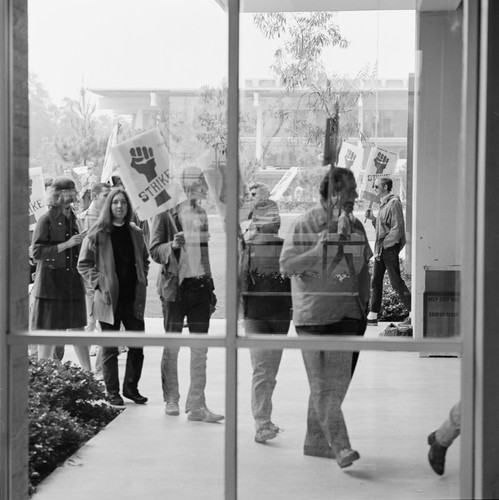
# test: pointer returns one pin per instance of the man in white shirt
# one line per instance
(179, 242)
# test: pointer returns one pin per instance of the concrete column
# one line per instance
(436, 151)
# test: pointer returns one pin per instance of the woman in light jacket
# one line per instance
(114, 262)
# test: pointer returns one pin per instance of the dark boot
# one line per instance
(110, 370)
(436, 455)
(133, 371)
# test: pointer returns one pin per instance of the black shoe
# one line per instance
(436, 455)
(115, 400)
(135, 396)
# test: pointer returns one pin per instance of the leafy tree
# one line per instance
(85, 145)
(211, 121)
(43, 116)
(299, 67)
(305, 36)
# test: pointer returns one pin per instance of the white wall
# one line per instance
(436, 196)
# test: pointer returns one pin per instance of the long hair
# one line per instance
(104, 223)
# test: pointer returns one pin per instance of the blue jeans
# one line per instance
(329, 374)
(265, 364)
(193, 305)
(135, 355)
(388, 261)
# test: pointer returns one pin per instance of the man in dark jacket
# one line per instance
(390, 240)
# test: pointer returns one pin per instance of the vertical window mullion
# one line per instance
(232, 180)
(4, 245)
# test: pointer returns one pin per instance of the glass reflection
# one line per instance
(386, 425)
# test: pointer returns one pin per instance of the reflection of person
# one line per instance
(346, 220)
(443, 437)
(299, 194)
(179, 242)
(266, 305)
(98, 194)
(330, 292)
(59, 295)
(264, 211)
(390, 240)
(114, 263)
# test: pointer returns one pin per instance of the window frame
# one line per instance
(14, 336)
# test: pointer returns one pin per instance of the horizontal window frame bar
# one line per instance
(309, 342)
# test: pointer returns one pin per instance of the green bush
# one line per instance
(391, 307)
(66, 409)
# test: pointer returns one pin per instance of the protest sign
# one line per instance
(283, 184)
(381, 163)
(144, 167)
(37, 202)
(351, 157)
(109, 167)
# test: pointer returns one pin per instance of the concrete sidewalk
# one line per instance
(394, 401)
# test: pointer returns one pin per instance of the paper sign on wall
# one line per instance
(350, 157)
(381, 163)
(144, 167)
(37, 202)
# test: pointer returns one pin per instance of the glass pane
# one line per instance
(116, 87)
(393, 402)
(171, 456)
(137, 93)
(335, 137)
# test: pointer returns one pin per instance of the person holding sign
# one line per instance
(179, 242)
(390, 240)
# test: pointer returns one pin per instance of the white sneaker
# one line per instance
(172, 409)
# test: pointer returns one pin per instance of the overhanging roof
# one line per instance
(341, 5)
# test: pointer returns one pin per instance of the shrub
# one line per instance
(391, 307)
(66, 409)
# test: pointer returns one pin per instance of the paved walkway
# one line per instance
(394, 401)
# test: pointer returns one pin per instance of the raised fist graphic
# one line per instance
(162, 197)
(380, 162)
(350, 158)
(143, 162)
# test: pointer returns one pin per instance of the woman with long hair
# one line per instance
(59, 295)
(114, 262)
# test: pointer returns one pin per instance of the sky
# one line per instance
(183, 44)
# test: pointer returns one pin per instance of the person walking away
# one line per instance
(114, 263)
(330, 293)
(179, 242)
(58, 291)
(266, 299)
(390, 240)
